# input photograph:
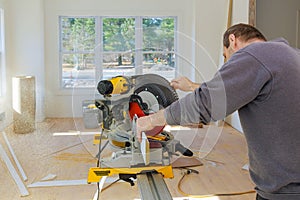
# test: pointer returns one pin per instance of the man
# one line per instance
(261, 79)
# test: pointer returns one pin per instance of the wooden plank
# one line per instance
(145, 149)
(13, 172)
(252, 12)
(229, 14)
(14, 157)
(58, 183)
(74, 133)
(100, 187)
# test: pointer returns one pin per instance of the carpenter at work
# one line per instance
(261, 79)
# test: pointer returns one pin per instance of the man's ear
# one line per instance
(232, 41)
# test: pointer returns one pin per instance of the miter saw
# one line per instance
(126, 98)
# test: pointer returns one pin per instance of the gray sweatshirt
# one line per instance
(262, 82)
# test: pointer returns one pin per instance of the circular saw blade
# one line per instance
(151, 100)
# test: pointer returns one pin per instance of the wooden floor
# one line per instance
(70, 157)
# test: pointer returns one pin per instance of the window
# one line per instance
(94, 48)
(2, 55)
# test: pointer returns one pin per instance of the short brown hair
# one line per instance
(243, 31)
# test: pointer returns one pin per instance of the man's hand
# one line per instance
(143, 124)
(184, 84)
(149, 122)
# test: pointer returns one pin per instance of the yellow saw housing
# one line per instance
(96, 173)
(116, 85)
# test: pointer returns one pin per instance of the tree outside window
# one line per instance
(93, 48)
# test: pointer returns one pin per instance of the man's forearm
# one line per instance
(158, 119)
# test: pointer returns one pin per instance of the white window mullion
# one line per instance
(138, 45)
(98, 50)
(176, 46)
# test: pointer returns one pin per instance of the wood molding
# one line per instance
(229, 14)
(252, 12)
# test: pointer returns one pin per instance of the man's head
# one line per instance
(239, 36)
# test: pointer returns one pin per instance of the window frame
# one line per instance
(61, 52)
(99, 52)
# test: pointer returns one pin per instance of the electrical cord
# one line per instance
(108, 186)
(207, 195)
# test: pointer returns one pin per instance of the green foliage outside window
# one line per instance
(81, 43)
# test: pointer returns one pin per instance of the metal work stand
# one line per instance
(153, 187)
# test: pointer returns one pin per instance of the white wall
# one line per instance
(211, 22)
(25, 46)
(281, 20)
(4, 100)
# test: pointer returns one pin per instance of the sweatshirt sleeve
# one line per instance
(241, 80)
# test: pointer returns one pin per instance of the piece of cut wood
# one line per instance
(72, 133)
(100, 187)
(186, 162)
(58, 183)
(145, 149)
(49, 177)
(23, 190)
(14, 157)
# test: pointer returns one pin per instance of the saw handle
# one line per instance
(184, 151)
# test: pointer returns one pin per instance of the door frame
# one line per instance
(252, 12)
